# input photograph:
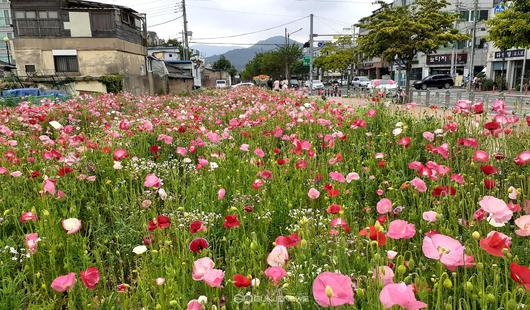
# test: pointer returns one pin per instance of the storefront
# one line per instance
(441, 64)
(508, 66)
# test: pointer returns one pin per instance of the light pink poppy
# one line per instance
(429, 136)
(3, 170)
(337, 176)
(278, 256)
(313, 193)
(523, 158)
(419, 185)
(447, 250)
(213, 137)
(400, 294)
(201, 267)
(71, 225)
(481, 156)
(458, 178)
(30, 241)
(399, 229)
(332, 290)
(352, 176)
(259, 152)
(27, 217)
(275, 274)
(244, 147)
(16, 174)
(194, 304)
(391, 254)
(64, 283)
(182, 151)
(430, 216)
(120, 154)
(384, 275)
(151, 180)
(524, 226)
(165, 138)
(49, 187)
(498, 210)
(214, 277)
(384, 206)
(221, 194)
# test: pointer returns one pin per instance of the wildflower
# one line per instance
(384, 206)
(241, 280)
(332, 290)
(231, 221)
(197, 226)
(400, 294)
(64, 283)
(90, 277)
(399, 229)
(71, 225)
(197, 245)
(278, 256)
(520, 274)
(140, 249)
(524, 226)
(447, 250)
(313, 194)
(495, 243)
(275, 274)
(152, 180)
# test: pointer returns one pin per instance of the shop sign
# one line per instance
(509, 54)
(445, 59)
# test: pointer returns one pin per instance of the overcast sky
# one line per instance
(219, 18)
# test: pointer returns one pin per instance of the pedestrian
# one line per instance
(269, 83)
(276, 85)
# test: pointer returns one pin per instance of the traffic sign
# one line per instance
(321, 43)
(307, 61)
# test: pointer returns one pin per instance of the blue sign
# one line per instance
(499, 9)
(320, 44)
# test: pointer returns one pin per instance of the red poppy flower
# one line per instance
(288, 241)
(281, 162)
(374, 234)
(301, 164)
(154, 149)
(149, 240)
(491, 126)
(478, 108)
(495, 243)
(405, 142)
(520, 274)
(333, 209)
(248, 209)
(90, 277)
(35, 174)
(241, 280)
(231, 221)
(528, 120)
(122, 288)
(333, 193)
(161, 222)
(441, 191)
(488, 170)
(196, 227)
(381, 163)
(65, 170)
(489, 183)
(197, 245)
(258, 184)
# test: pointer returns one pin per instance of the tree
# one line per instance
(398, 34)
(511, 28)
(337, 56)
(289, 54)
(223, 64)
(273, 63)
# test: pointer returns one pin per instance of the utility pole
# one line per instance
(311, 53)
(474, 39)
(453, 56)
(286, 56)
(524, 68)
(186, 39)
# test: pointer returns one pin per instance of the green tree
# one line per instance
(288, 55)
(224, 64)
(338, 56)
(398, 34)
(511, 28)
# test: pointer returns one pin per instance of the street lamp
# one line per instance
(289, 35)
(6, 40)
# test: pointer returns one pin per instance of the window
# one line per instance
(66, 64)
(464, 16)
(30, 69)
(482, 15)
(48, 15)
(5, 19)
(461, 44)
(101, 21)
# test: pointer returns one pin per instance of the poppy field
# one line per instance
(256, 200)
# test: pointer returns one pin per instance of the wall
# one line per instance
(179, 86)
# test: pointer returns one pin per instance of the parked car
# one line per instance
(294, 84)
(241, 85)
(387, 86)
(221, 84)
(360, 82)
(317, 84)
(436, 80)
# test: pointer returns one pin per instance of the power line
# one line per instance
(254, 32)
(166, 22)
(236, 11)
(243, 44)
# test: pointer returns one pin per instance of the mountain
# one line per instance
(241, 56)
(211, 50)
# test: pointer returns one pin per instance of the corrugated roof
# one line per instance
(100, 5)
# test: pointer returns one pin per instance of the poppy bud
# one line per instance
(490, 297)
(401, 269)
(448, 283)
(480, 267)
(469, 286)
(475, 235)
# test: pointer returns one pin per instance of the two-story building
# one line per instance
(80, 42)
(6, 32)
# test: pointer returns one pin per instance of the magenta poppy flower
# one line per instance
(90, 277)
(481, 156)
(120, 154)
(384, 206)
(221, 194)
(64, 283)
(401, 295)
(332, 290)
(151, 180)
(399, 229)
(275, 274)
(337, 176)
(523, 158)
(447, 250)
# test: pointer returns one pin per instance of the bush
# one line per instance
(487, 84)
(114, 83)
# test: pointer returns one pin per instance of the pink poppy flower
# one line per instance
(332, 290)
(201, 267)
(429, 136)
(337, 176)
(524, 226)
(278, 256)
(197, 226)
(400, 294)
(384, 275)
(498, 210)
(391, 254)
(90, 277)
(64, 283)
(244, 147)
(221, 194)
(182, 151)
(3, 170)
(49, 187)
(214, 277)
(288, 241)
(259, 152)
(28, 216)
(458, 178)
(430, 216)
(120, 154)
(399, 229)
(151, 180)
(71, 225)
(313, 193)
(419, 185)
(405, 142)
(30, 241)
(167, 139)
(447, 250)
(384, 206)
(523, 158)
(275, 274)
(352, 176)
(194, 304)
(481, 156)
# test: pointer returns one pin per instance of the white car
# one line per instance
(317, 84)
(361, 82)
(241, 85)
(221, 84)
(383, 85)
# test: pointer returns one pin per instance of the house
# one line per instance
(210, 76)
(6, 31)
(166, 53)
(153, 39)
(80, 43)
(180, 76)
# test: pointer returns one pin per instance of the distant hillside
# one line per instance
(211, 50)
(241, 56)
